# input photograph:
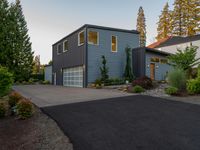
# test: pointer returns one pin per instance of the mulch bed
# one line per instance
(36, 133)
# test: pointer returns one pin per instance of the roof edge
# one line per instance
(98, 27)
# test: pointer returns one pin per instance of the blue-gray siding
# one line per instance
(48, 73)
(74, 57)
(116, 61)
(160, 69)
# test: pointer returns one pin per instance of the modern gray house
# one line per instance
(151, 63)
(77, 57)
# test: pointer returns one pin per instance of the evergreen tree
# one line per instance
(179, 18)
(23, 60)
(141, 27)
(164, 23)
(197, 15)
(128, 74)
(191, 17)
(185, 17)
(4, 30)
(104, 70)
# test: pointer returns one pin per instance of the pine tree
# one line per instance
(185, 18)
(191, 17)
(4, 30)
(141, 27)
(23, 60)
(197, 15)
(179, 18)
(164, 23)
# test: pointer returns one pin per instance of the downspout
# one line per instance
(86, 59)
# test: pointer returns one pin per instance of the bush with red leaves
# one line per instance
(144, 82)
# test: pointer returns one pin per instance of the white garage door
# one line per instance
(73, 77)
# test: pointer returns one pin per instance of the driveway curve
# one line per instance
(49, 95)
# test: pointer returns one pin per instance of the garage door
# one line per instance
(73, 77)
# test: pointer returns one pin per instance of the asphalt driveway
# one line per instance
(49, 95)
(129, 123)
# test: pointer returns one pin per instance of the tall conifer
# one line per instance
(141, 27)
(164, 29)
(4, 36)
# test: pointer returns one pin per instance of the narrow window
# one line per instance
(93, 37)
(81, 38)
(65, 46)
(59, 49)
(114, 44)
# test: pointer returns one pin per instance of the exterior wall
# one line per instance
(173, 48)
(48, 73)
(116, 61)
(75, 56)
(138, 62)
(160, 69)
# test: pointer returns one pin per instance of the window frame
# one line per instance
(116, 44)
(60, 44)
(97, 38)
(65, 50)
(80, 44)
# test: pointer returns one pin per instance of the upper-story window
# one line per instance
(65, 46)
(59, 48)
(80, 38)
(93, 37)
(114, 43)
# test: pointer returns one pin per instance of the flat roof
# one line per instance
(152, 50)
(99, 27)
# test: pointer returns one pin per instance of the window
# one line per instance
(81, 38)
(163, 61)
(65, 46)
(114, 44)
(155, 59)
(59, 48)
(93, 37)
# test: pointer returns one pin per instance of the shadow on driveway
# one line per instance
(129, 123)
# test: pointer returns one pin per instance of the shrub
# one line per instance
(37, 77)
(6, 81)
(171, 90)
(31, 81)
(98, 82)
(46, 82)
(144, 82)
(193, 86)
(137, 89)
(2, 110)
(177, 78)
(24, 109)
(114, 81)
(14, 98)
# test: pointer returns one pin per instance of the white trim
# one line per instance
(79, 38)
(57, 49)
(65, 50)
(97, 38)
(116, 44)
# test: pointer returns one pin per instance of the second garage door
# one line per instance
(73, 77)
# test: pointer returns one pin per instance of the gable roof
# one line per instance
(99, 27)
(155, 44)
(174, 40)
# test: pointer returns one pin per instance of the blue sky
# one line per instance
(50, 20)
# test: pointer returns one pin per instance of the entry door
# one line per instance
(152, 71)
